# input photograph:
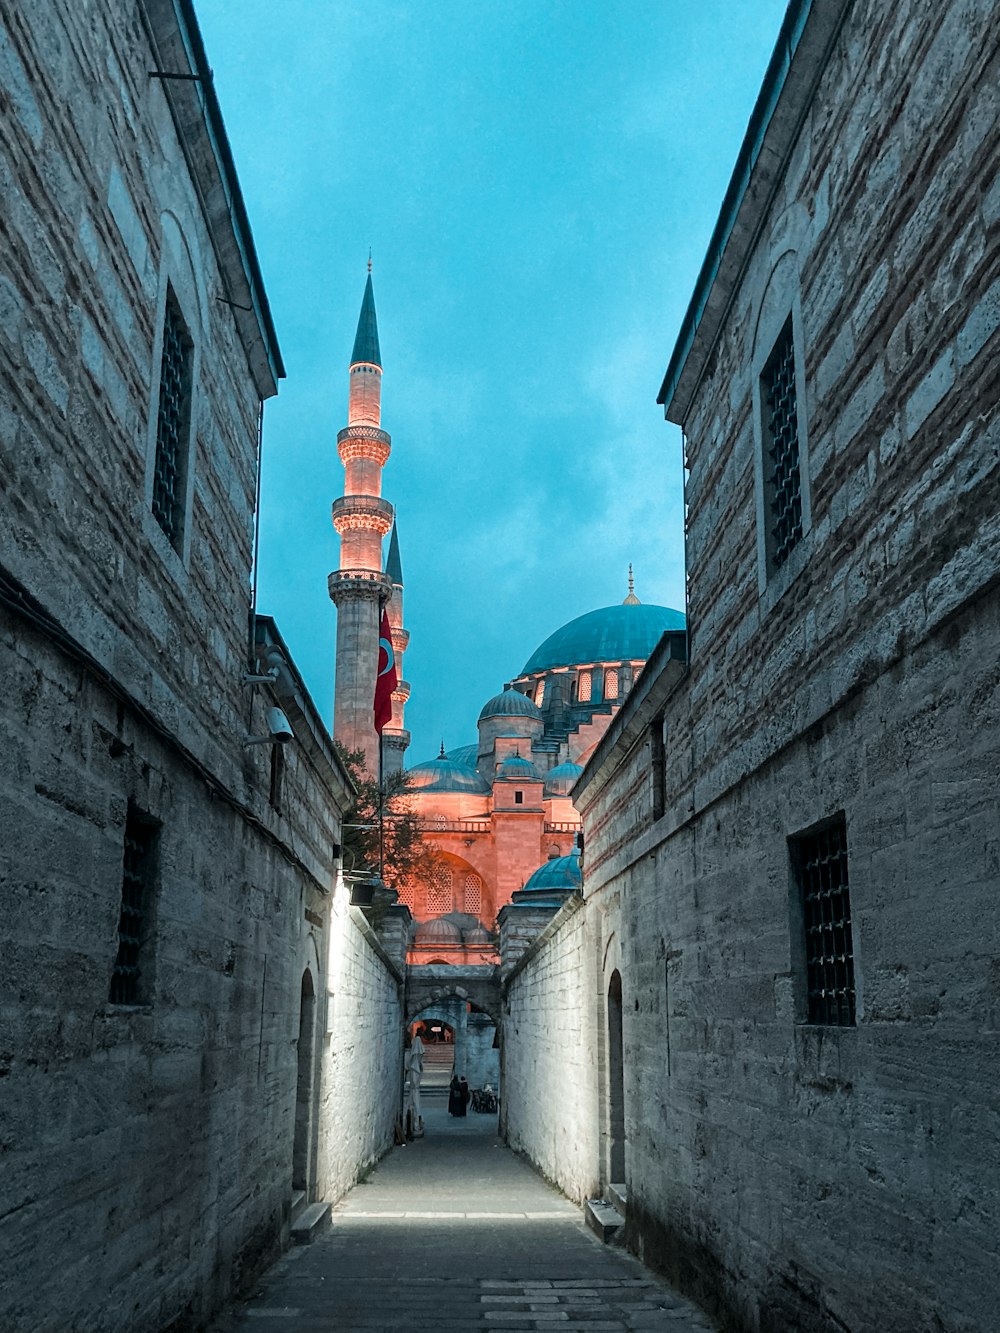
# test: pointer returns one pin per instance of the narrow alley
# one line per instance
(454, 1231)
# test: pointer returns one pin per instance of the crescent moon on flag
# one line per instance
(385, 646)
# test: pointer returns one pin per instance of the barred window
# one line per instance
(135, 916)
(407, 891)
(472, 895)
(583, 687)
(440, 891)
(173, 416)
(819, 863)
(611, 683)
(782, 478)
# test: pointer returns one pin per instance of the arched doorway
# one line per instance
(616, 1083)
(302, 1145)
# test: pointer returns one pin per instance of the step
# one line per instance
(618, 1197)
(298, 1203)
(310, 1222)
(603, 1219)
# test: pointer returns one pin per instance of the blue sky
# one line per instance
(538, 180)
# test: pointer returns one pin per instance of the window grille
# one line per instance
(407, 891)
(611, 684)
(583, 687)
(439, 891)
(472, 895)
(782, 444)
(820, 862)
(133, 920)
(172, 416)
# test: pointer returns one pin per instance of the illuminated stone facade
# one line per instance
(497, 811)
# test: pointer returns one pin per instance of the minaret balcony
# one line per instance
(366, 513)
(400, 638)
(363, 442)
(402, 692)
(351, 584)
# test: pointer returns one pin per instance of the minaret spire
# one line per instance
(360, 587)
(395, 738)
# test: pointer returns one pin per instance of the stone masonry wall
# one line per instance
(362, 1077)
(146, 1150)
(551, 1055)
(798, 1177)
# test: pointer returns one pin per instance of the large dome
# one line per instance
(562, 872)
(624, 633)
(444, 774)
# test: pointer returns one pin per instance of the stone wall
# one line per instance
(792, 1175)
(149, 1147)
(362, 1074)
(552, 1051)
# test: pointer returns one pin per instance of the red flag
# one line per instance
(387, 679)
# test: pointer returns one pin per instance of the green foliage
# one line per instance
(404, 851)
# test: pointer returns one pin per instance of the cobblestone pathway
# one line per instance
(455, 1232)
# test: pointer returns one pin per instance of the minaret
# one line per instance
(362, 518)
(394, 738)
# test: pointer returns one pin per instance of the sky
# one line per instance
(537, 181)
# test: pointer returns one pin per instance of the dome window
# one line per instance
(583, 687)
(611, 683)
(539, 693)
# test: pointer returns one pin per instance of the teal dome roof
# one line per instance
(512, 703)
(559, 780)
(624, 633)
(515, 768)
(562, 872)
(443, 774)
(466, 755)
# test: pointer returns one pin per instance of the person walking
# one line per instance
(463, 1085)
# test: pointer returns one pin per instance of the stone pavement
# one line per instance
(455, 1232)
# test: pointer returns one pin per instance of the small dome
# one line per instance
(476, 937)
(512, 703)
(562, 872)
(437, 932)
(515, 768)
(625, 633)
(559, 781)
(444, 774)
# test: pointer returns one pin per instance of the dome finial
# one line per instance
(631, 599)
(442, 754)
(369, 259)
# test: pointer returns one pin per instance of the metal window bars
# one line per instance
(171, 424)
(785, 490)
(826, 909)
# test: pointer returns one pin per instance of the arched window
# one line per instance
(539, 693)
(583, 687)
(407, 891)
(610, 683)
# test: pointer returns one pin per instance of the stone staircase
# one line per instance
(606, 1217)
(439, 1064)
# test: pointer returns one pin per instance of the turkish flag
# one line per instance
(387, 679)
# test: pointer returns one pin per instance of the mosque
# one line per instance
(497, 812)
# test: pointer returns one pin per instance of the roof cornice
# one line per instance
(800, 56)
(176, 42)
